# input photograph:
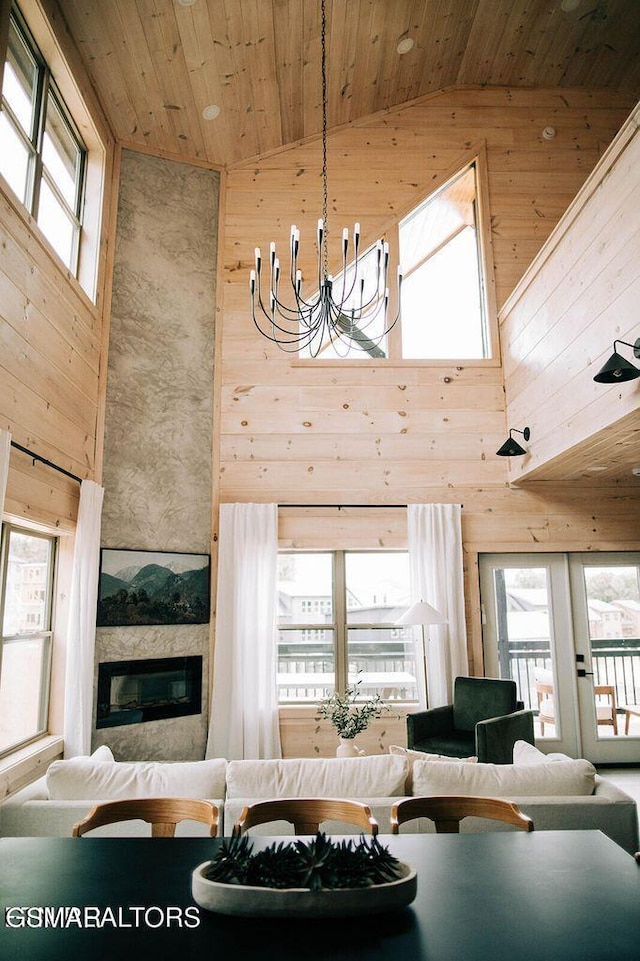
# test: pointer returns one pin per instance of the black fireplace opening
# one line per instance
(132, 692)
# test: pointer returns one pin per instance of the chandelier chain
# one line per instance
(323, 47)
(344, 313)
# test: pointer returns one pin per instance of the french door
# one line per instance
(566, 628)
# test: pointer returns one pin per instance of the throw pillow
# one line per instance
(102, 753)
(553, 779)
(525, 753)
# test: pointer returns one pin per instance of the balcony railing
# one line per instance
(616, 661)
(307, 675)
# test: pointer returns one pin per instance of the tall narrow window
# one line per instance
(337, 614)
(43, 156)
(443, 302)
(26, 592)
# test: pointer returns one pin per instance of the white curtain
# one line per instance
(244, 710)
(435, 564)
(81, 634)
(5, 454)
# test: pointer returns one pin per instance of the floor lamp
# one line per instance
(422, 613)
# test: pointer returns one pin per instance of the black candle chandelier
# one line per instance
(350, 313)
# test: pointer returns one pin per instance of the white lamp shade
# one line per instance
(421, 613)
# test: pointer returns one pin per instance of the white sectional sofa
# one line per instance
(556, 793)
(51, 805)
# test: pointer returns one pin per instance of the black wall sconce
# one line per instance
(617, 368)
(511, 447)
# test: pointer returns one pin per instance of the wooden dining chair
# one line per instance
(447, 812)
(162, 813)
(306, 814)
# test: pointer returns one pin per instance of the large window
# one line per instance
(336, 615)
(42, 156)
(443, 301)
(26, 591)
(444, 309)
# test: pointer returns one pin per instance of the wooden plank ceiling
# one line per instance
(157, 64)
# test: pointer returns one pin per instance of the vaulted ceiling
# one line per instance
(158, 64)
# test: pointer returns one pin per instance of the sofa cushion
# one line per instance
(379, 775)
(554, 778)
(412, 756)
(84, 779)
(103, 753)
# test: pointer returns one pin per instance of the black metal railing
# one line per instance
(616, 661)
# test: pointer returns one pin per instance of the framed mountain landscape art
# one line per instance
(152, 587)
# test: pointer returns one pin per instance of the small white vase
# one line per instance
(347, 748)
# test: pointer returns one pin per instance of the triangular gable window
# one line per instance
(444, 303)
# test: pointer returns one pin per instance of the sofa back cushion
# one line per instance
(84, 779)
(349, 777)
(554, 778)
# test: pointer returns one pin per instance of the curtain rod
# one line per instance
(339, 507)
(43, 460)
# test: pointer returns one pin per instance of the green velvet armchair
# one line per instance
(485, 719)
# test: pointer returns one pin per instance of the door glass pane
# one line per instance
(525, 643)
(381, 656)
(613, 600)
(306, 657)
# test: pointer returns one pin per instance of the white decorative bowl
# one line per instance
(245, 901)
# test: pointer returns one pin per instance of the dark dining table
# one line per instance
(544, 896)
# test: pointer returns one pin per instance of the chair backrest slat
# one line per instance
(306, 814)
(162, 813)
(448, 811)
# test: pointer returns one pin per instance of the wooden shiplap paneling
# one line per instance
(559, 326)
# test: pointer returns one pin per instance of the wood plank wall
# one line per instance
(579, 296)
(51, 332)
(381, 434)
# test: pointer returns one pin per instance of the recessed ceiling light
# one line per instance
(186, 3)
(211, 112)
(406, 45)
(569, 5)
